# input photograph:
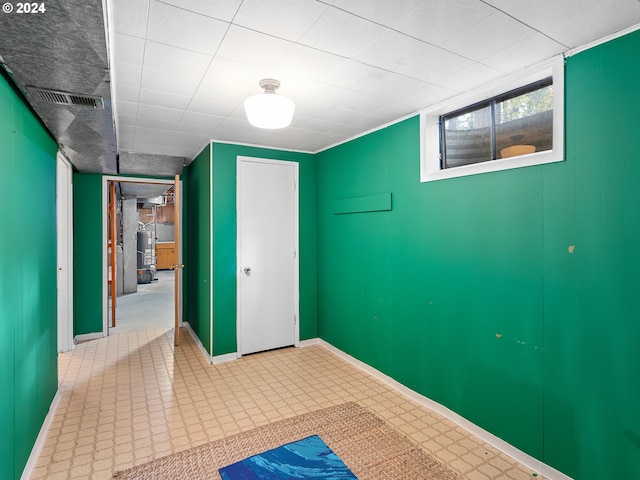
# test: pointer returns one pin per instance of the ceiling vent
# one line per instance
(66, 98)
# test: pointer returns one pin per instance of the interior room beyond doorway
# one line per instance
(143, 232)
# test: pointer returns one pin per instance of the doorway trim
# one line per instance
(105, 229)
(239, 267)
(64, 227)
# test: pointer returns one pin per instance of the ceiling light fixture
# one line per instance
(268, 110)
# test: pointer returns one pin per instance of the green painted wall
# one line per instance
(28, 317)
(466, 290)
(87, 253)
(224, 241)
(592, 314)
(442, 292)
(196, 246)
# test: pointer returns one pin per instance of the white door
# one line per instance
(267, 254)
(64, 222)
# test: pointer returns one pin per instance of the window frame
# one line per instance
(430, 131)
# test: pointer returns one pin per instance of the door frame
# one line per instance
(105, 229)
(239, 272)
(64, 235)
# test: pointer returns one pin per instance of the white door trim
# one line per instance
(64, 223)
(239, 272)
(105, 230)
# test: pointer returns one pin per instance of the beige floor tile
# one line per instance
(129, 398)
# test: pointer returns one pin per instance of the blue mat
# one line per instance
(308, 458)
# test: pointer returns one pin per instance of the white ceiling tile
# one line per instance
(363, 102)
(306, 141)
(211, 108)
(373, 81)
(152, 135)
(207, 127)
(341, 33)
(393, 50)
(545, 12)
(220, 9)
(436, 64)
(590, 24)
(169, 82)
(127, 108)
(235, 127)
(393, 86)
(489, 36)
(209, 121)
(414, 102)
(128, 49)
(427, 96)
(127, 120)
(231, 82)
(354, 118)
(254, 48)
(126, 93)
(202, 119)
(308, 110)
(470, 78)
(409, 55)
(239, 114)
(165, 137)
(355, 76)
(313, 92)
(309, 62)
(130, 17)
(198, 129)
(184, 29)
(175, 60)
(164, 100)
(127, 74)
(437, 21)
(287, 19)
(166, 114)
(316, 125)
(126, 134)
(387, 12)
(522, 54)
(156, 123)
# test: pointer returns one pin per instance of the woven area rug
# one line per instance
(372, 449)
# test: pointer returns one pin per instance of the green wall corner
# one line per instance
(87, 253)
(196, 246)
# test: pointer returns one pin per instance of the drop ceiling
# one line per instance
(180, 69)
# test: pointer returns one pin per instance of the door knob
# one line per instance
(247, 271)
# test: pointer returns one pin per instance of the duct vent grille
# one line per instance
(65, 98)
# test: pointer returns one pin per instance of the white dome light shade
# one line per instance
(268, 110)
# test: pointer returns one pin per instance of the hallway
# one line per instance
(129, 398)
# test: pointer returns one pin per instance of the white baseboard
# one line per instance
(310, 342)
(506, 448)
(203, 350)
(87, 336)
(227, 357)
(42, 436)
(212, 360)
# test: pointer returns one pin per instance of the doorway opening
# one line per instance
(142, 231)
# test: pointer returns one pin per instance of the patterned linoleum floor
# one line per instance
(129, 398)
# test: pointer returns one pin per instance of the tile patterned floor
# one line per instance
(129, 398)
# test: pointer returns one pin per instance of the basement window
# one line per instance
(514, 124)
